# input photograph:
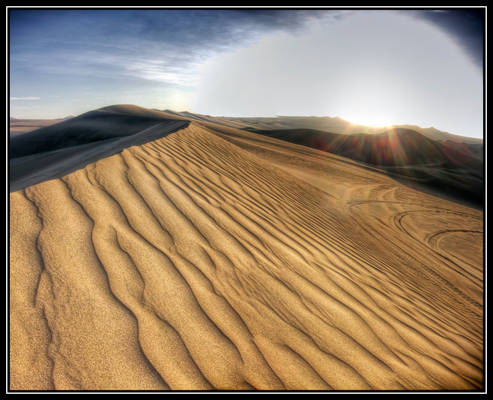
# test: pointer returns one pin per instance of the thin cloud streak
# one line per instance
(28, 98)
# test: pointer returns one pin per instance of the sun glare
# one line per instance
(373, 120)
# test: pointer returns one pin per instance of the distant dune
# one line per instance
(215, 258)
(19, 126)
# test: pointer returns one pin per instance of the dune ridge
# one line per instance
(219, 259)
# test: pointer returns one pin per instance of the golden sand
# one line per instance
(218, 259)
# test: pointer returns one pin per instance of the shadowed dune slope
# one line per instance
(54, 151)
(215, 258)
(102, 124)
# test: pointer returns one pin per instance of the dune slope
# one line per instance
(218, 259)
(56, 150)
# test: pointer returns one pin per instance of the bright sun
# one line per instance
(368, 119)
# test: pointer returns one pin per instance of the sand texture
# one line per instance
(220, 259)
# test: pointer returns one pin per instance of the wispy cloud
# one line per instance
(163, 46)
(161, 71)
(25, 98)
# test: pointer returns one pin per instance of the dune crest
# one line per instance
(219, 259)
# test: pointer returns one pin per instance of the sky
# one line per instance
(374, 67)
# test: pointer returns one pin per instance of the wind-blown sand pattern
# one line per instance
(218, 259)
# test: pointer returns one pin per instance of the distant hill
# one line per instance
(19, 126)
(389, 148)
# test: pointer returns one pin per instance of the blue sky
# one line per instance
(405, 66)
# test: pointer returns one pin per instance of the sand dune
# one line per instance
(215, 258)
(55, 151)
